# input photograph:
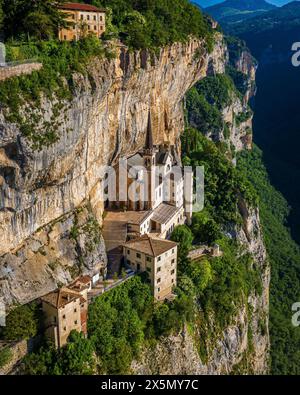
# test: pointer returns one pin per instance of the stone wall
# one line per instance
(19, 69)
(19, 350)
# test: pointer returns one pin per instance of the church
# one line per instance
(155, 188)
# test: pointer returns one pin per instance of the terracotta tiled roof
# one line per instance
(61, 297)
(150, 245)
(81, 283)
(80, 7)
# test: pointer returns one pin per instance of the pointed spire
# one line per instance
(149, 137)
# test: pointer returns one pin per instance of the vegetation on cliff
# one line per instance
(121, 322)
(31, 33)
(207, 100)
(55, 81)
(152, 24)
(224, 184)
(284, 255)
(140, 24)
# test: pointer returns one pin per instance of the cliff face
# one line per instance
(107, 117)
(50, 199)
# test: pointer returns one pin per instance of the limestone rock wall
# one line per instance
(106, 117)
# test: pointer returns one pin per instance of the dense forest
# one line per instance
(284, 255)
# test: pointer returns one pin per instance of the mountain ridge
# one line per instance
(232, 11)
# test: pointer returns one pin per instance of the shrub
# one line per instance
(22, 322)
(5, 356)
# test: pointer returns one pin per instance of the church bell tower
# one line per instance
(149, 154)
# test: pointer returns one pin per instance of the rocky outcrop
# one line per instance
(238, 116)
(246, 64)
(106, 117)
(250, 235)
(53, 256)
(238, 120)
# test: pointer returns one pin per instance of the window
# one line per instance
(75, 322)
(158, 269)
(158, 289)
(95, 17)
(148, 259)
(173, 271)
(95, 27)
(159, 259)
(81, 17)
(75, 310)
(88, 17)
(65, 328)
(173, 251)
(172, 280)
(149, 269)
(173, 261)
(128, 252)
(89, 27)
(138, 267)
(101, 18)
(158, 280)
(65, 37)
(128, 261)
(138, 255)
(64, 317)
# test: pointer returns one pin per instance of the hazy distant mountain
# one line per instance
(209, 3)
(277, 122)
(232, 11)
(277, 28)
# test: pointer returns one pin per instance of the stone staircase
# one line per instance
(115, 234)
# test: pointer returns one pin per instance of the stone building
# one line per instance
(83, 19)
(65, 310)
(158, 258)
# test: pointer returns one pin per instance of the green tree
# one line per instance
(23, 322)
(39, 18)
(5, 356)
(204, 228)
(77, 357)
(44, 362)
(201, 274)
(183, 235)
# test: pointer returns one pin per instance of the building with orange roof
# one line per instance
(157, 257)
(83, 19)
(65, 310)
